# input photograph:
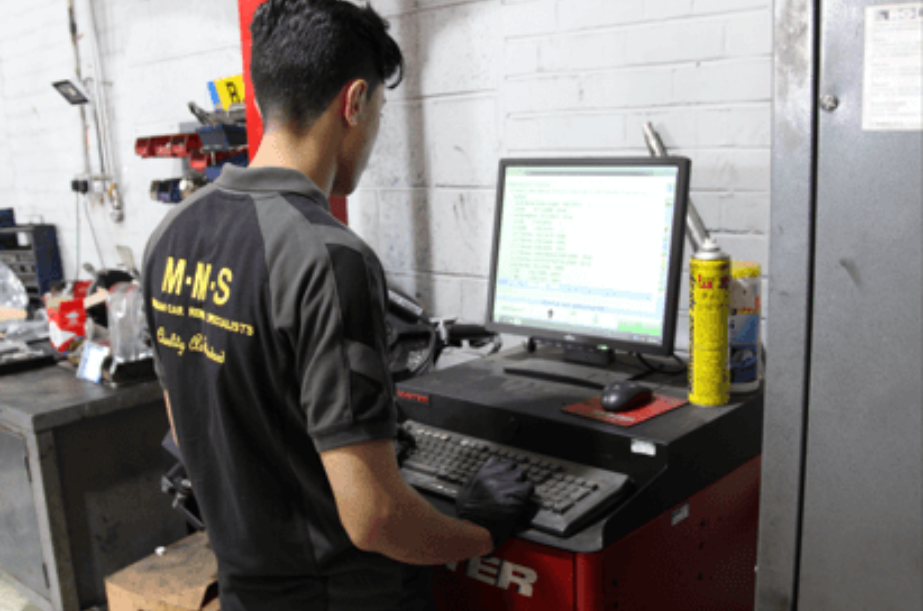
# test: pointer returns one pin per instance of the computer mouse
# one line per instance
(624, 396)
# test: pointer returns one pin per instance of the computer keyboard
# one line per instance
(567, 495)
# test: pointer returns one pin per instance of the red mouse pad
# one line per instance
(591, 408)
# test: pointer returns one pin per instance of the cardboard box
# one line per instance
(183, 578)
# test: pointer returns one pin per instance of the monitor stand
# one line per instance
(560, 372)
(577, 353)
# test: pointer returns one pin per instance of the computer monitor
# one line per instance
(588, 252)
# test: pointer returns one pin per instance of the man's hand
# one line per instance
(404, 444)
(497, 498)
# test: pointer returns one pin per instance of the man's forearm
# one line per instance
(382, 513)
(415, 532)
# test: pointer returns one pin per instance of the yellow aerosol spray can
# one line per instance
(709, 301)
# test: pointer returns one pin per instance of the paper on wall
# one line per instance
(892, 97)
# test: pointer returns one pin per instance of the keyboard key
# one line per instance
(422, 467)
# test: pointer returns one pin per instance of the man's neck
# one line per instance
(312, 154)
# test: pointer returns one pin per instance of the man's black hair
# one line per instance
(305, 51)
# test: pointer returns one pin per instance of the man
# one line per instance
(268, 321)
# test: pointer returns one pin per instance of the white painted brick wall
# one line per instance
(486, 79)
(464, 144)
(400, 156)
(40, 131)
(634, 87)
(703, 7)
(558, 92)
(665, 9)
(573, 77)
(581, 14)
(749, 33)
(593, 50)
(724, 81)
(157, 54)
(676, 41)
(528, 18)
(459, 219)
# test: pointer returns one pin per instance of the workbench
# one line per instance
(80, 498)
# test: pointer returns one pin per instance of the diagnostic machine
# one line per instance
(651, 507)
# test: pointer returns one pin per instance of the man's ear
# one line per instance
(355, 98)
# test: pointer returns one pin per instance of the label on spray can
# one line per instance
(744, 326)
(710, 276)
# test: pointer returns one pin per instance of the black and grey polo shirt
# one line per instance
(267, 317)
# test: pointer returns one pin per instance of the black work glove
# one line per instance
(497, 498)
(404, 444)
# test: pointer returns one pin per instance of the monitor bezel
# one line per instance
(671, 306)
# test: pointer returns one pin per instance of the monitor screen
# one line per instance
(589, 251)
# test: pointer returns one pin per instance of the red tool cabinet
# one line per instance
(699, 555)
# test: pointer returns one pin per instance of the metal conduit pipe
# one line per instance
(110, 186)
(84, 142)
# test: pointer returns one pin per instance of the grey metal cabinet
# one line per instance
(20, 543)
(841, 503)
(79, 484)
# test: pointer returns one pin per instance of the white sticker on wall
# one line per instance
(639, 446)
(892, 94)
(680, 514)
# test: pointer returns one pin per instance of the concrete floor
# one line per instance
(11, 599)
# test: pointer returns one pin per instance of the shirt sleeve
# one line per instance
(327, 292)
(360, 405)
